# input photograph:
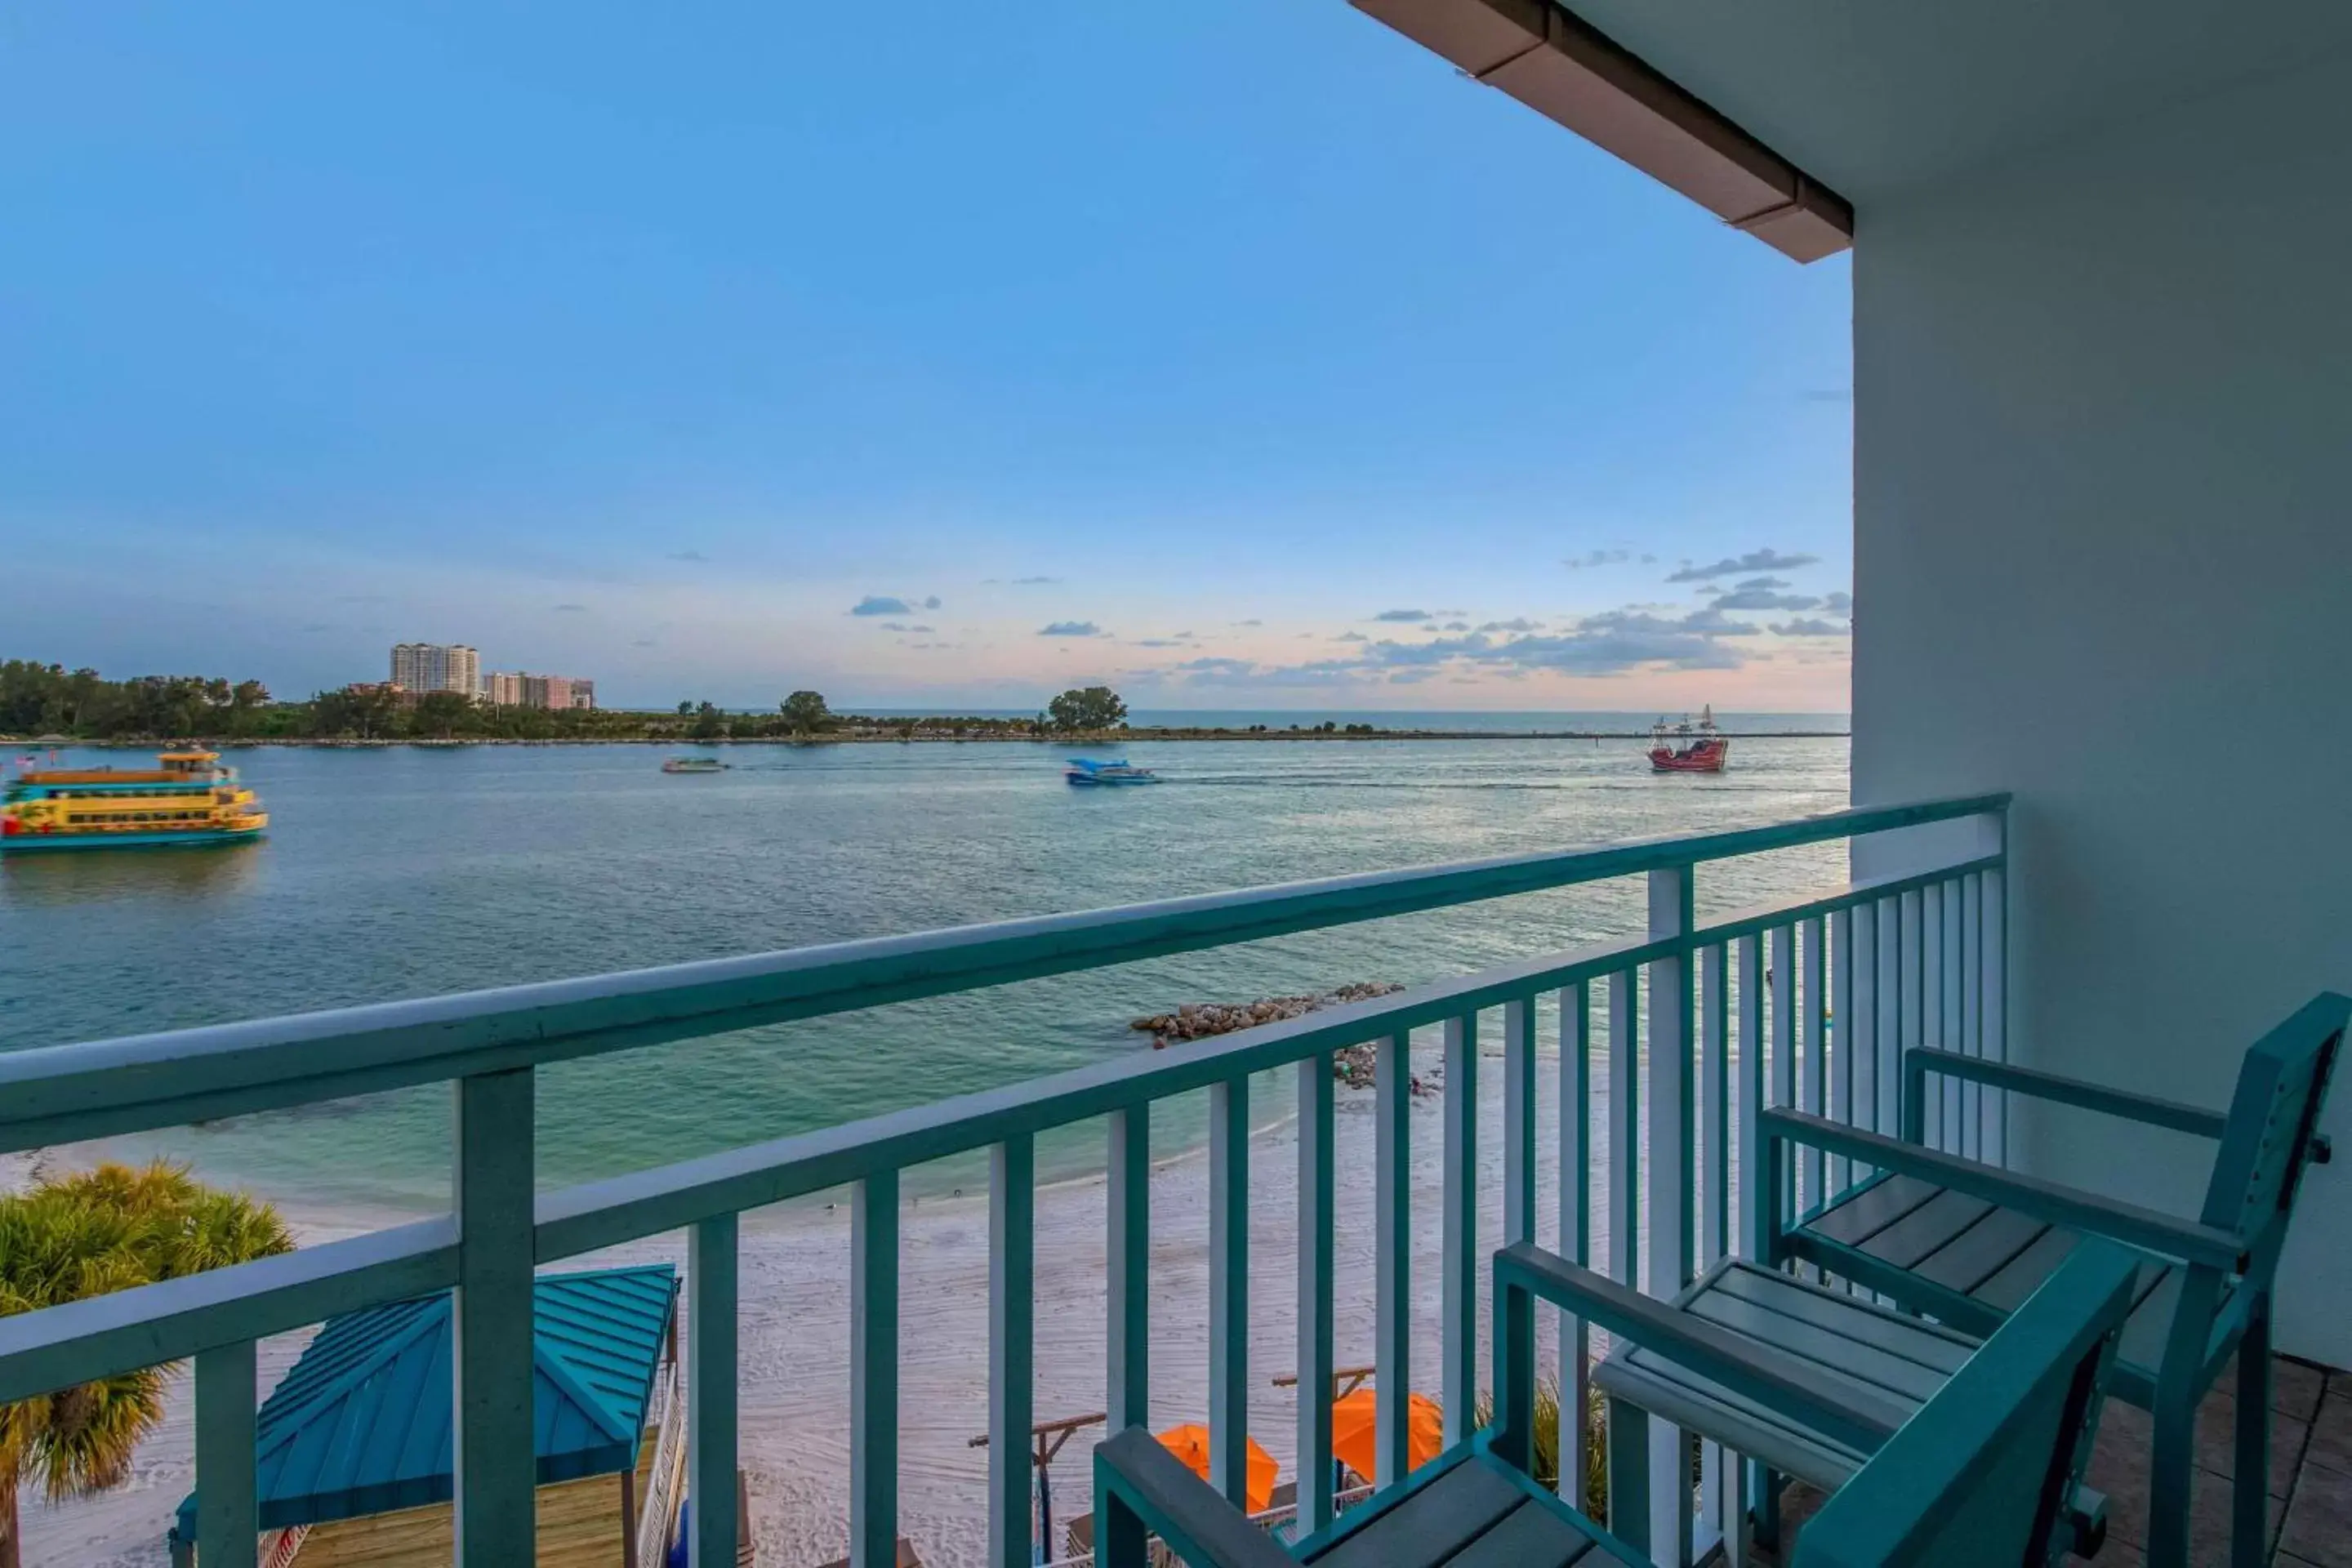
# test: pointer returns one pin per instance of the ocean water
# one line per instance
(403, 872)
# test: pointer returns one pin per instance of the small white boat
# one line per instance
(693, 765)
(1086, 771)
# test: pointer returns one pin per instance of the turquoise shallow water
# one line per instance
(403, 872)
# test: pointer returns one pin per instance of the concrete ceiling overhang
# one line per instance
(1869, 97)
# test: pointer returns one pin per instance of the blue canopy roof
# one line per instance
(361, 1423)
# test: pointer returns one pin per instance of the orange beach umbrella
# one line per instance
(1190, 1443)
(1353, 1416)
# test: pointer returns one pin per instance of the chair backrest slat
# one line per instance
(1982, 1477)
(2266, 1143)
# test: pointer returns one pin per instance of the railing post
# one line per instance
(1714, 1100)
(1781, 964)
(1671, 1139)
(1888, 990)
(1128, 1397)
(1840, 1037)
(1625, 1141)
(1812, 1017)
(711, 1272)
(1972, 986)
(1316, 1184)
(228, 1513)
(1518, 1120)
(1858, 1032)
(1758, 1219)
(1996, 1005)
(1714, 1135)
(495, 1510)
(1458, 1241)
(1575, 1230)
(1229, 1289)
(1391, 1257)
(1011, 1307)
(874, 1373)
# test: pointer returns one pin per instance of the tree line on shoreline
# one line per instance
(44, 699)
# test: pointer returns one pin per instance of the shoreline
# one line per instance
(793, 1329)
(1084, 738)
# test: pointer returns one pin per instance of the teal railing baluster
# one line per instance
(713, 1264)
(1012, 1310)
(1316, 1192)
(1392, 1256)
(1781, 982)
(1996, 1005)
(1458, 1230)
(1126, 1394)
(873, 1373)
(495, 1479)
(1861, 1028)
(1949, 991)
(1972, 1040)
(1910, 1023)
(228, 1513)
(1840, 1035)
(1519, 1119)
(1672, 1126)
(1812, 1018)
(1575, 1227)
(1889, 963)
(1715, 1137)
(1229, 1289)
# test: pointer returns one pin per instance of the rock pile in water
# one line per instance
(1351, 1065)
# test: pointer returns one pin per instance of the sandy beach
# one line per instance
(795, 1335)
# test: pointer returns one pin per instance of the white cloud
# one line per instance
(1754, 561)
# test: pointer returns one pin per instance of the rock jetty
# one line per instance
(1351, 1065)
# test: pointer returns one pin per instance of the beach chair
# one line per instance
(2005, 1444)
(1963, 1242)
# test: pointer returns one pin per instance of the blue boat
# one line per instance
(1084, 771)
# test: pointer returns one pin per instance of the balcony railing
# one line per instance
(1696, 1026)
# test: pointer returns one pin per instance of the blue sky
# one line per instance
(1238, 352)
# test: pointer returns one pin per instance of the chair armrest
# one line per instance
(1188, 1513)
(1921, 1060)
(2151, 1229)
(1754, 1371)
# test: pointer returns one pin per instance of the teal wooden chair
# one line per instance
(1997, 1457)
(1963, 1242)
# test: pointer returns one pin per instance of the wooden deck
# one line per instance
(2311, 1474)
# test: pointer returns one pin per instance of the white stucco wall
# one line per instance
(2103, 558)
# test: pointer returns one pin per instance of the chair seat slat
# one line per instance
(1929, 1344)
(1981, 1251)
(1873, 1206)
(1739, 1424)
(1529, 1536)
(2019, 1279)
(1931, 1225)
(1835, 1355)
(1431, 1525)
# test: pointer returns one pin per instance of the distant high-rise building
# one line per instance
(422, 667)
(503, 688)
(557, 691)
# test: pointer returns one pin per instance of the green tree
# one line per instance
(440, 713)
(70, 1237)
(709, 723)
(805, 712)
(1094, 707)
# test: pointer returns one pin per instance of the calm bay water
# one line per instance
(403, 872)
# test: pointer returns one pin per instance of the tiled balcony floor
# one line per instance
(2310, 1479)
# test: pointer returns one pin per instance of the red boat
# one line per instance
(1688, 748)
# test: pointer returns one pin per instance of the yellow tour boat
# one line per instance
(187, 798)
